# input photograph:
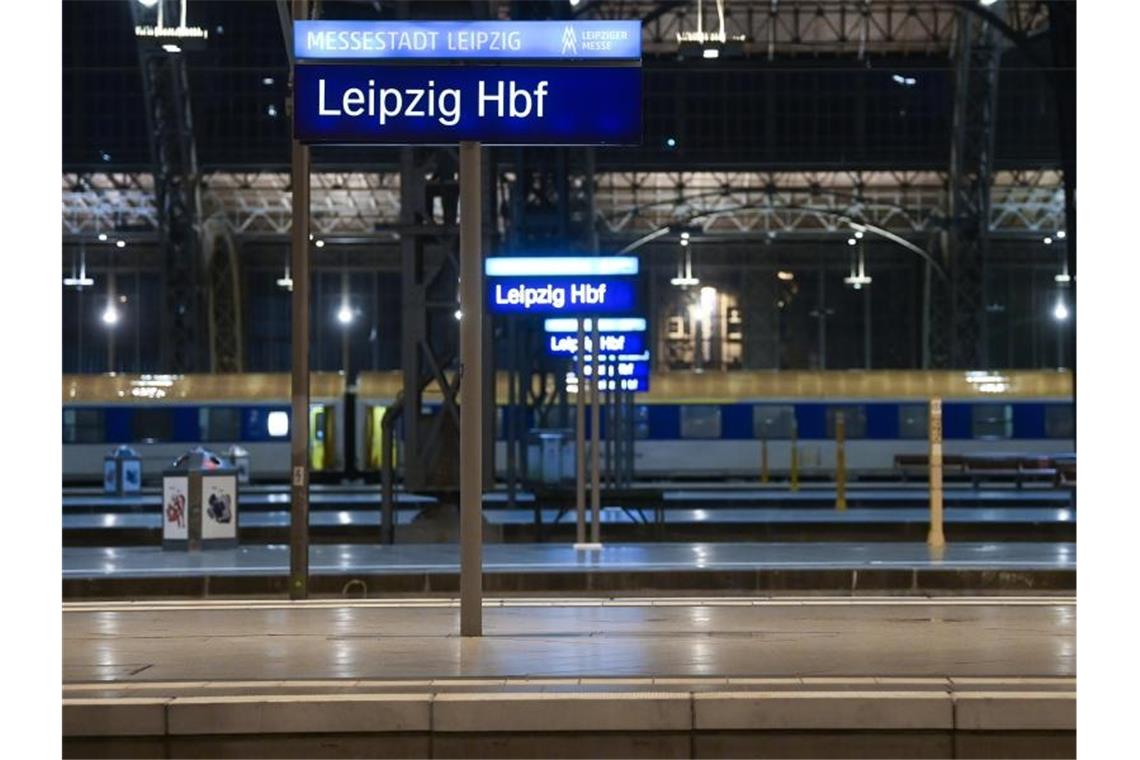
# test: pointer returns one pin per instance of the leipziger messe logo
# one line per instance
(569, 41)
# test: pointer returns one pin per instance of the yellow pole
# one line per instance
(795, 473)
(840, 462)
(764, 461)
(935, 537)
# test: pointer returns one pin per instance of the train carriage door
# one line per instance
(322, 437)
(373, 436)
(374, 439)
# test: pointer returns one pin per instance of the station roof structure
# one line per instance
(853, 119)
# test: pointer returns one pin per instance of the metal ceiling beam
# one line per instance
(366, 205)
(859, 27)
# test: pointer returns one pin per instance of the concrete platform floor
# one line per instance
(614, 516)
(916, 496)
(120, 643)
(588, 677)
(150, 561)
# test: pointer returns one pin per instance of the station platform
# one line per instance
(642, 497)
(339, 569)
(585, 677)
(674, 523)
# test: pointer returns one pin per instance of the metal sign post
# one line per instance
(595, 438)
(299, 429)
(580, 442)
(570, 83)
(470, 391)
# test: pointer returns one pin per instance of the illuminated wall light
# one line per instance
(708, 302)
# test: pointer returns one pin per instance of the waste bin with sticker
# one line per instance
(122, 471)
(199, 502)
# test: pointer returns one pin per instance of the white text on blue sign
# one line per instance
(535, 40)
(499, 105)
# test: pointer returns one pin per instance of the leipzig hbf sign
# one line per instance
(551, 83)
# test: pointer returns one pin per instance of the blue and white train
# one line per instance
(711, 425)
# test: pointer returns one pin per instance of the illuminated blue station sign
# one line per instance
(377, 82)
(468, 40)
(623, 353)
(561, 285)
(618, 375)
(496, 105)
(617, 335)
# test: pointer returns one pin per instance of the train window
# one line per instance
(220, 423)
(914, 420)
(1060, 422)
(83, 426)
(317, 432)
(700, 421)
(992, 420)
(773, 421)
(854, 421)
(152, 425)
(277, 424)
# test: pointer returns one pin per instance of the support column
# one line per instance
(866, 327)
(299, 427)
(935, 537)
(470, 391)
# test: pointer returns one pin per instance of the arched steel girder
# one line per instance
(856, 225)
